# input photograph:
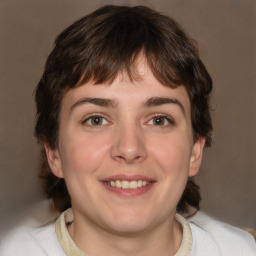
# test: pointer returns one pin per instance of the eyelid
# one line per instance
(89, 116)
(169, 119)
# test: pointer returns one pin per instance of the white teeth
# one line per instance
(133, 184)
(128, 184)
(125, 184)
(117, 184)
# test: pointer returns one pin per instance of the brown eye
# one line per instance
(95, 121)
(159, 120)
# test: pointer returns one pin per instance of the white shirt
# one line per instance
(209, 237)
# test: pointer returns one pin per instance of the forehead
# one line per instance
(127, 92)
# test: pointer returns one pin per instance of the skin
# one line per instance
(131, 137)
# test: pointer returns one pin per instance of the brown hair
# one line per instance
(105, 43)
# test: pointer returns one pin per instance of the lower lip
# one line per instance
(129, 192)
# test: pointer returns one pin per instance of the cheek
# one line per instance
(172, 154)
(172, 158)
(82, 154)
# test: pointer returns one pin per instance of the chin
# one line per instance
(130, 222)
(128, 228)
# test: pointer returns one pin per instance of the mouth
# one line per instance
(125, 184)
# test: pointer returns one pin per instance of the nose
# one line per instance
(129, 145)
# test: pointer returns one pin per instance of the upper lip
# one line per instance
(128, 178)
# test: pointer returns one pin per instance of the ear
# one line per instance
(54, 161)
(196, 156)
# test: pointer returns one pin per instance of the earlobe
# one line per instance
(196, 156)
(54, 161)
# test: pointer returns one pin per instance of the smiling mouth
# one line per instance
(124, 184)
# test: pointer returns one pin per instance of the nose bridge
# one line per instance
(129, 143)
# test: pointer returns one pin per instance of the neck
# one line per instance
(164, 240)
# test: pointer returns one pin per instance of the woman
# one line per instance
(123, 114)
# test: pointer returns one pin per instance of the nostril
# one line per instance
(129, 156)
(128, 144)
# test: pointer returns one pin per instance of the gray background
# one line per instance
(225, 32)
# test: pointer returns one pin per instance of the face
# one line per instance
(125, 151)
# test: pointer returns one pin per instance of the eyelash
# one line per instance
(90, 118)
(167, 119)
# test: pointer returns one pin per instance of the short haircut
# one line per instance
(101, 45)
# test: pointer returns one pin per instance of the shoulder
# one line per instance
(221, 237)
(36, 241)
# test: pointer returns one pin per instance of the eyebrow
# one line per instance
(158, 101)
(96, 101)
(151, 102)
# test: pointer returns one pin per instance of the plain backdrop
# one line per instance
(225, 32)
